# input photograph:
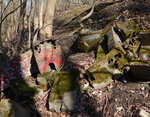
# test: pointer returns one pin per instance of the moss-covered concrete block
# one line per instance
(9, 108)
(102, 77)
(42, 82)
(129, 27)
(88, 40)
(64, 91)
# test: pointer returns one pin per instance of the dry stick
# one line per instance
(46, 93)
(29, 26)
(34, 42)
(89, 14)
(3, 19)
(105, 105)
(7, 6)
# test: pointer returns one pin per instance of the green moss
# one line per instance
(122, 62)
(120, 48)
(101, 75)
(129, 27)
(42, 86)
(145, 31)
(22, 89)
(136, 46)
(44, 74)
(139, 62)
(89, 40)
(100, 54)
(63, 82)
(145, 51)
(88, 44)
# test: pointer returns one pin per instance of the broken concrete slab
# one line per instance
(113, 38)
(27, 64)
(9, 108)
(142, 113)
(22, 67)
(88, 40)
(48, 56)
(64, 91)
(101, 76)
(128, 27)
(145, 37)
(140, 71)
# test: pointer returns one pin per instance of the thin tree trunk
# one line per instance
(29, 25)
(41, 14)
(36, 14)
(46, 31)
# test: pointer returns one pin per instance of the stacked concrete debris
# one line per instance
(43, 58)
(121, 47)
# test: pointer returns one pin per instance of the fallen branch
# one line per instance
(89, 14)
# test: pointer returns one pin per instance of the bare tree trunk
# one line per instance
(1, 5)
(21, 24)
(29, 25)
(41, 14)
(46, 31)
(36, 21)
(36, 9)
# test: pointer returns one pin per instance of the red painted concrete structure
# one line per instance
(32, 62)
(48, 55)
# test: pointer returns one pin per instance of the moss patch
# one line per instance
(145, 51)
(62, 82)
(100, 56)
(129, 27)
(101, 75)
(22, 91)
(89, 40)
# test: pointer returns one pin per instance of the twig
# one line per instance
(89, 14)
(104, 107)
(3, 19)
(46, 93)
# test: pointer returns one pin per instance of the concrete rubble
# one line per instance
(120, 47)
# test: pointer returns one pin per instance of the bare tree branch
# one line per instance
(3, 19)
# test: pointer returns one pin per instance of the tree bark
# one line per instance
(46, 31)
(36, 9)
(41, 14)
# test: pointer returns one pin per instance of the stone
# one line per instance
(42, 82)
(140, 71)
(113, 38)
(128, 27)
(67, 103)
(9, 108)
(69, 100)
(142, 113)
(102, 77)
(136, 46)
(117, 74)
(145, 38)
(55, 105)
(88, 40)
(22, 90)
(102, 84)
(48, 56)
(64, 91)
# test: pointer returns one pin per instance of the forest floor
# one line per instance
(124, 98)
(115, 100)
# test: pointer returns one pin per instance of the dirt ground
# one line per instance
(124, 98)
